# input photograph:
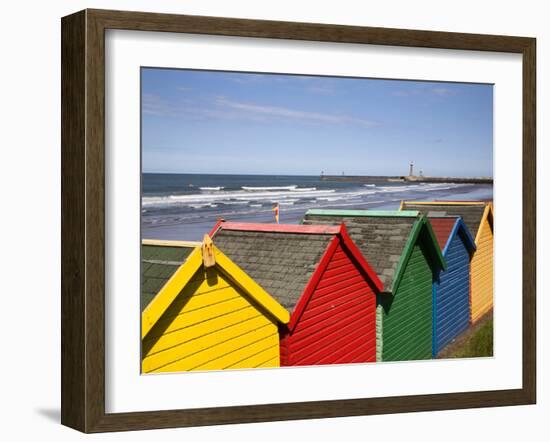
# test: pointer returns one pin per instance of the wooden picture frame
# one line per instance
(83, 220)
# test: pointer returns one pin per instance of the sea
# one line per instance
(186, 206)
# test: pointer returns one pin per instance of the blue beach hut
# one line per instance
(451, 291)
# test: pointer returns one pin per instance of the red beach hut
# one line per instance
(319, 275)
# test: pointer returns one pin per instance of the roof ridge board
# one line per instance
(365, 212)
(170, 243)
(442, 216)
(445, 203)
(282, 228)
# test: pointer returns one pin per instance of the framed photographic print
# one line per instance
(270, 220)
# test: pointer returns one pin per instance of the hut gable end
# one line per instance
(451, 228)
(337, 324)
(318, 274)
(471, 214)
(206, 318)
(381, 240)
(442, 228)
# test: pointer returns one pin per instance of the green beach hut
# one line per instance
(403, 250)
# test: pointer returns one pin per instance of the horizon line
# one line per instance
(312, 175)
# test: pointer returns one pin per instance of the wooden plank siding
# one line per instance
(338, 324)
(211, 325)
(406, 315)
(202, 318)
(452, 294)
(482, 272)
(319, 274)
(403, 250)
(478, 217)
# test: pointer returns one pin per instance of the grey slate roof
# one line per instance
(381, 239)
(471, 215)
(282, 263)
(158, 264)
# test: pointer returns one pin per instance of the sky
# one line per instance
(243, 123)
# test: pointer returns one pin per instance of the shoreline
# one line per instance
(168, 229)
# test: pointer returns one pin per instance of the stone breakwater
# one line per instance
(405, 179)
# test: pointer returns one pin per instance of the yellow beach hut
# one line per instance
(478, 216)
(200, 311)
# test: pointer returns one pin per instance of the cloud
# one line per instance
(224, 108)
(293, 114)
(438, 91)
(322, 90)
(188, 109)
(406, 92)
(442, 91)
(247, 78)
(184, 107)
(152, 104)
(310, 84)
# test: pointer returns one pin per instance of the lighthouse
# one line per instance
(411, 165)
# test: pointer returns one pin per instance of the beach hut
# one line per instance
(200, 311)
(452, 289)
(402, 249)
(478, 216)
(319, 275)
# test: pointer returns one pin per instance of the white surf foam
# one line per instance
(212, 189)
(268, 188)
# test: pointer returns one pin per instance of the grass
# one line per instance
(479, 344)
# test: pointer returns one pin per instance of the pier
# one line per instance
(405, 179)
(410, 178)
